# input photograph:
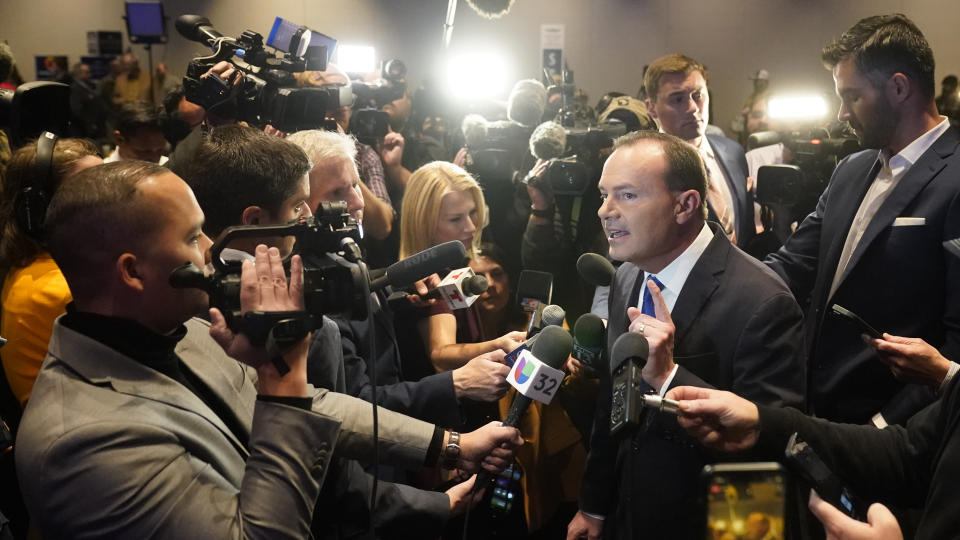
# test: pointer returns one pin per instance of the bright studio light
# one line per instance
(356, 58)
(480, 74)
(797, 108)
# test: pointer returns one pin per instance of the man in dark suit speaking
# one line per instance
(734, 325)
(679, 101)
(874, 243)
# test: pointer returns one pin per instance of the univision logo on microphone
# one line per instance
(523, 372)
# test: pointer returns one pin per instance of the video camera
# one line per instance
(268, 93)
(335, 280)
(816, 153)
(368, 123)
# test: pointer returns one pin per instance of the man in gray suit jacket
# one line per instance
(140, 427)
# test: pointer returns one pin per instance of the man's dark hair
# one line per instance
(96, 217)
(685, 166)
(949, 80)
(236, 167)
(133, 116)
(883, 45)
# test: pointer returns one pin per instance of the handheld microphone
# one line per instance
(459, 289)
(527, 101)
(537, 378)
(473, 285)
(544, 316)
(420, 265)
(596, 269)
(589, 335)
(548, 141)
(628, 357)
(533, 289)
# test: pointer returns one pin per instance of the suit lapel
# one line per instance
(738, 190)
(848, 199)
(700, 284)
(920, 174)
(102, 365)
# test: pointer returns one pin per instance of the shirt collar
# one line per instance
(901, 163)
(674, 275)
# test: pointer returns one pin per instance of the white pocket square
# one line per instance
(909, 221)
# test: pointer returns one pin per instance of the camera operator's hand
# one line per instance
(391, 151)
(912, 360)
(263, 287)
(881, 523)
(460, 160)
(483, 378)
(490, 447)
(541, 198)
(462, 496)
(718, 419)
(225, 71)
(270, 130)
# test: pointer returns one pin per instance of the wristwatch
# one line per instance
(451, 452)
(546, 213)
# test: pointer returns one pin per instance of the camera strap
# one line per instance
(277, 331)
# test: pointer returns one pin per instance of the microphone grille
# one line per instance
(553, 315)
(629, 345)
(595, 269)
(475, 285)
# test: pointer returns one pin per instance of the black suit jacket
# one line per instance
(899, 279)
(909, 467)
(737, 328)
(733, 161)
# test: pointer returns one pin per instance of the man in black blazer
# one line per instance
(874, 243)
(915, 465)
(679, 101)
(734, 325)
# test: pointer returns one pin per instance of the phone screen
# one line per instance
(745, 500)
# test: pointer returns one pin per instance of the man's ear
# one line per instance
(898, 88)
(253, 215)
(689, 205)
(128, 272)
(650, 111)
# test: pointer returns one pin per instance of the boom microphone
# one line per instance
(420, 265)
(548, 141)
(596, 269)
(474, 128)
(527, 101)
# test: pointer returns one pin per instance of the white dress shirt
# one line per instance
(673, 276)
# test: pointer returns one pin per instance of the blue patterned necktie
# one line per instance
(647, 307)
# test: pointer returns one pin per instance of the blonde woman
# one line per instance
(443, 202)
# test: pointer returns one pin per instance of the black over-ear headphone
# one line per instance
(32, 201)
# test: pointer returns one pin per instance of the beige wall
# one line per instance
(607, 41)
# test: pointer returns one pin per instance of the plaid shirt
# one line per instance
(371, 172)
